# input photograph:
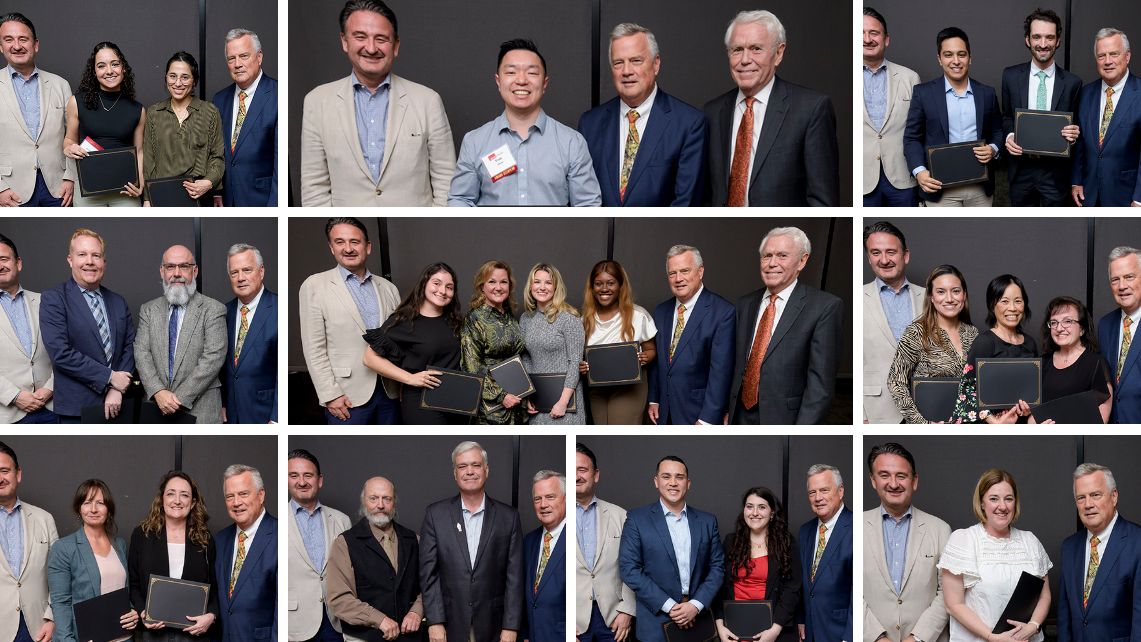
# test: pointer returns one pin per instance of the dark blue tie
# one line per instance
(172, 342)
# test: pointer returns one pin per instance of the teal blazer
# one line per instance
(73, 576)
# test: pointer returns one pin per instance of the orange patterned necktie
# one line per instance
(245, 327)
(1126, 339)
(1106, 116)
(240, 121)
(632, 142)
(1094, 562)
(821, 542)
(749, 392)
(742, 152)
(238, 561)
(678, 328)
(542, 561)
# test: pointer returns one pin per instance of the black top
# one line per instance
(989, 346)
(1089, 372)
(414, 346)
(113, 121)
(147, 555)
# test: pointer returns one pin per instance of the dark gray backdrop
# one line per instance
(451, 46)
(421, 469)
(53, 467)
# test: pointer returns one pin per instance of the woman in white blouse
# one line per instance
(609, 315)
(980, 566)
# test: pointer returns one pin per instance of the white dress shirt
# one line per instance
(782, 303)
(253, 307)
(759, 106)
(234, 107)
(250, 533)
(640, 124)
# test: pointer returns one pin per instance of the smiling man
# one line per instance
(544, 558)
(887, 92)
(789, 337)
(29, 534)
(1116, 331)
(26, 382)
(246, 568)
(604, 605)
(523, 157)
(826, 560)
(249, 125)
(249, 373)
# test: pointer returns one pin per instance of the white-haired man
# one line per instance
(249, 124)
(826, 560)
(246, 568)
(1115, 332)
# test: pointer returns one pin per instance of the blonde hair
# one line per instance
(481, 277)
(83, 231)
(558, 300)
(990, 478)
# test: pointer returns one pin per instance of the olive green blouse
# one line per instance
(193, 148)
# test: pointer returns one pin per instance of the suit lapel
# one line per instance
(553, 561)
(694, 538)
(600, 535)
(980, 114)
(296, 543)
(915, 537)
(1112, 554)
(652, 138)
(341, 291)
(724, 129)
(658, 518)
(263, 98)
(485, 531)
(610, 151)
(461, 530)
(403, 554)
(396, 110)
(266, 532)
(88, 554)
(1123, 106)
(33, 301)
(873, 305)
(770, 127)
(873, 537)
(1023, 98)
(1131, 356)
(347, 118)
(228, 96)
(8, 97)
(9, 331)
(191, 320)
(787, 318)
(1059, 83)
(266, 310)
(691, 327)
(78, 305)
(941, 109)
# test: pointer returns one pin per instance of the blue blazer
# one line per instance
(249, 389)
(648, 565)
(1112, 614)
(545, 607)
(68, 330)
(671, 154)
(251, 168)
(927, 124)
(696, 383)
(826, 610)
(251, 613)
(1127, 391)
(73, 576)
(1108, 173)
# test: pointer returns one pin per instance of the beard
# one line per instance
(379, 519)
(179, 293)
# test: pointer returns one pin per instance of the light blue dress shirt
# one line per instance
(875, 94)
(364, 295)
(896, 306)
(372, 121)
(28, 96)
(678, 526)
(473, 527)
(16, 307)
(587, 525)
(895, 534)
(961, 124)
(12, 536)
(312, 528)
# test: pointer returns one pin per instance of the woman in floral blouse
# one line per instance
(491, 335)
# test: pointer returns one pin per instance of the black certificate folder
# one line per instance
(97, 619)
(512, 377)
(1002, 383)
(458, 392)
(549, 389)
(1040, 132)
(106, 172)
(955, 164)
(169, 192)
(1022, 602)
(747, 618)
(935, 397)
(170, 600)
(613, 364)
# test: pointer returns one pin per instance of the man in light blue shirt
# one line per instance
(26, 381)
(26, 536)
(523, 157)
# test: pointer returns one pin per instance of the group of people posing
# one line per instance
(771, 359)
(225, 150)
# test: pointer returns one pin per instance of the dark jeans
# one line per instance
(887, 195)
(22, 634)
(1038, 186)
(597, 631)
(42, 197)
(41, 416)
(378, 410)
(326, 633)
(70, 419)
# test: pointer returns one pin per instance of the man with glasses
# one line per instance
(181, 342)
(1115, 332)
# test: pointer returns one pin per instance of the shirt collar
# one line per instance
(294, 506)
(1103, 536)
(886, 515)
(592, 504)
(252, 88)
(253, 529)
(482, 505)
(1116, 88)
(1049, 70)
(1136, 316)
(83, 290)
(948, 88)
(15, 506)
(168, 105)
(345, 274)
(881, 284)
(882, 67)
(762, 96)
(667, 511)
(642, 109)
(13, 73)
(693, 299)
(253, 304)
(783, 294)
(357, 83)
(19, 291)
(500, 123)
(831, 523)
(558, 530)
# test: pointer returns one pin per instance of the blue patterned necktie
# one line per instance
(100, 321)
(171, 342)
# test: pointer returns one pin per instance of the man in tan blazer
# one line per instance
(887, 95)
(902, 599)
(27, 613)
(33, 169)
(891, 302)
(26, 380)
(347, 159)
(337, 307)
(604, 606)
(312, 529)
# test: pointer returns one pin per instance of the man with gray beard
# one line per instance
(373, 584)
(181, 342)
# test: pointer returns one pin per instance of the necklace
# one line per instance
(105, 107)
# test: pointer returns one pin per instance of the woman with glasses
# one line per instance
(1072, 363)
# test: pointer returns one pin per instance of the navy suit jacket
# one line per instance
(1126, 391)
(251, 613)
(249, 389)
(671, 154)
(648, 565)
(927, 125)
(68, 330)
(545, 607)
(1113, 613)
(251, 168)
(1108, 173)
(1016, 95)
(826, 611)
(695, 384)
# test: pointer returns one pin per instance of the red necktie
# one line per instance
(742, 152)
(757, 355)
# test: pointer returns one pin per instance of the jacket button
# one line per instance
(379, 191)
(900, 601)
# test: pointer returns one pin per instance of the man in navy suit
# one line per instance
(1101, 566)
(88, 332)
(1109, 112)
(246, 568)
(249, 123)
(826, 560)
(249, 374)
(1116, 331)
(659, 161)
(544, 557)
(690, 382)
(1041, 85)
(672, 581)
(952, 109)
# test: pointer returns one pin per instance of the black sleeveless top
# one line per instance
(111, 124)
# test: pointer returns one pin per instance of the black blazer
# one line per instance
(1015, 95)
(147, 556)
(783, 592)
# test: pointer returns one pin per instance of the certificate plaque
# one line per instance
(935, 397)
(955, 164)
(512, 377)
(1002, 382)
(107, 171)
(458, 392)
(704, 629)
(613, 364)
(1021, 605)
(170, 600)
(1040, 132)
(747, 618)
(1080, 408)
(169, 192)
(549, 389)
(97, 619)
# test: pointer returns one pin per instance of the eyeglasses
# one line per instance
(1054, 324)
(181, 267)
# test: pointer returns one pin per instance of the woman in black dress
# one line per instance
(1072, 363)
(422, 332)
(105, 110)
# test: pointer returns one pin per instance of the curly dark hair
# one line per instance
(197, 522)
(409, 308)
(89, 85)
(779, 541)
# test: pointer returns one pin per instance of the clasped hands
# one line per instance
(683, 614)
(113, 399)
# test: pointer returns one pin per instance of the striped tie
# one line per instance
(238, 561)
(100, 321)
(1126, 339)
(1094, 561)
(819, 552)
(542, 561)
(242, 333)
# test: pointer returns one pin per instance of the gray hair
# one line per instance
(234, 34)
(233, 470)
(238, 248)
(764, 18)
(543, 475)
(1109, 32)
(633, 29)
(1089, 468)
(816, 469)
(682, 249)
(795, 233)
(1122, 251)
(465, 446)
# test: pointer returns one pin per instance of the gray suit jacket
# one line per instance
(306, 581)
(918, 608)
(198, 356)
(27, 586)
(21, 154)
(879, 350)
(886, 146)
(604, 581)
(18, 371)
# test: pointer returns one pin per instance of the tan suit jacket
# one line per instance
(18, 372)
(27, 590)
(332, 333)
(604, 582)
(20, 154)
(886, 145)
(419, 154)
(306, 581)
(879, 351)
(919, 607)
